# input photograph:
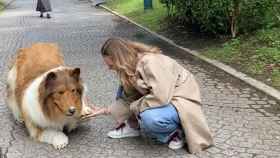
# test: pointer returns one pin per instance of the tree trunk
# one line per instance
(234, 18)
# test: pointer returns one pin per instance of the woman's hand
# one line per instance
(100, 111)
(96, 111)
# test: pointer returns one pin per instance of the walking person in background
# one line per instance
(44, 6)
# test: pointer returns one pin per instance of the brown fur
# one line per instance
(34, 61)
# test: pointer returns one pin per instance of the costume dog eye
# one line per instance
(60, 92)
(74, 90)
(79, 91)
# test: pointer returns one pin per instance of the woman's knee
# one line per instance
(151, 123)
(155, 123)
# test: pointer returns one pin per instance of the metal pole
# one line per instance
(148, 4)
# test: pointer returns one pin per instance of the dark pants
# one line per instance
(43, 6)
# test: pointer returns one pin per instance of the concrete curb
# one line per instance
(243, 77)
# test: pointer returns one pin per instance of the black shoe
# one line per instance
(48, 16)
(41, 15)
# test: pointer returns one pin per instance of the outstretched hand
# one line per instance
(96, 111)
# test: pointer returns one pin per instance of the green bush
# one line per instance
(270, 37)
(226, 16)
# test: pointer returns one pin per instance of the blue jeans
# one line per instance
(119, 92)
(160, 123)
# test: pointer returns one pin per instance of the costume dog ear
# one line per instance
(75, 73)
(50, 78)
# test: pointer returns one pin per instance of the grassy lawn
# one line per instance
(257, 55)
(1, 6)
(134, 9)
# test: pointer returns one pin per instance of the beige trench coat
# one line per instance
(161, 80)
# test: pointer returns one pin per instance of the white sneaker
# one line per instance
(176, 142)
(123, 131)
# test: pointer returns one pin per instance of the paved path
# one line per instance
(245, 123)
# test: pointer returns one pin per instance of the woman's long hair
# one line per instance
(124, 54)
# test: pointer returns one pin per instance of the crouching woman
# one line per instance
(156, 95)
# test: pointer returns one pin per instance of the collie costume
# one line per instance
(45, 94)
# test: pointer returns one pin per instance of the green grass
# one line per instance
(134, 9)
(1, 6)
(257, 55)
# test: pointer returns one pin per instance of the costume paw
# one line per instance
(86, 110)
(18, 117)
(21, 121)
(60, 141)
